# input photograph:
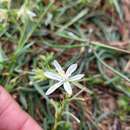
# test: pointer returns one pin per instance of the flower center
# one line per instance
(64, 76)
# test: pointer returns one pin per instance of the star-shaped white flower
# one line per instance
(64, 78)
(24, 11)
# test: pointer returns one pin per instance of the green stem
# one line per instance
(58, 115)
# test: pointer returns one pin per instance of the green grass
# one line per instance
(71, 31)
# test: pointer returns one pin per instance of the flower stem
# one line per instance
(58, 115)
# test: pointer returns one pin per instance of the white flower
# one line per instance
(31, 14)
(63, 77)
(24, 11)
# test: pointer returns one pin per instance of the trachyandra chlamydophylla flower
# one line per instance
(63, 78)
(24, 11)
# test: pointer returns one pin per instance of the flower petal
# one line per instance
(68, 88)
(76, 77)
(71, 69)
(31, 14)
(53, 88)
(58, 66)
(53, 76)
